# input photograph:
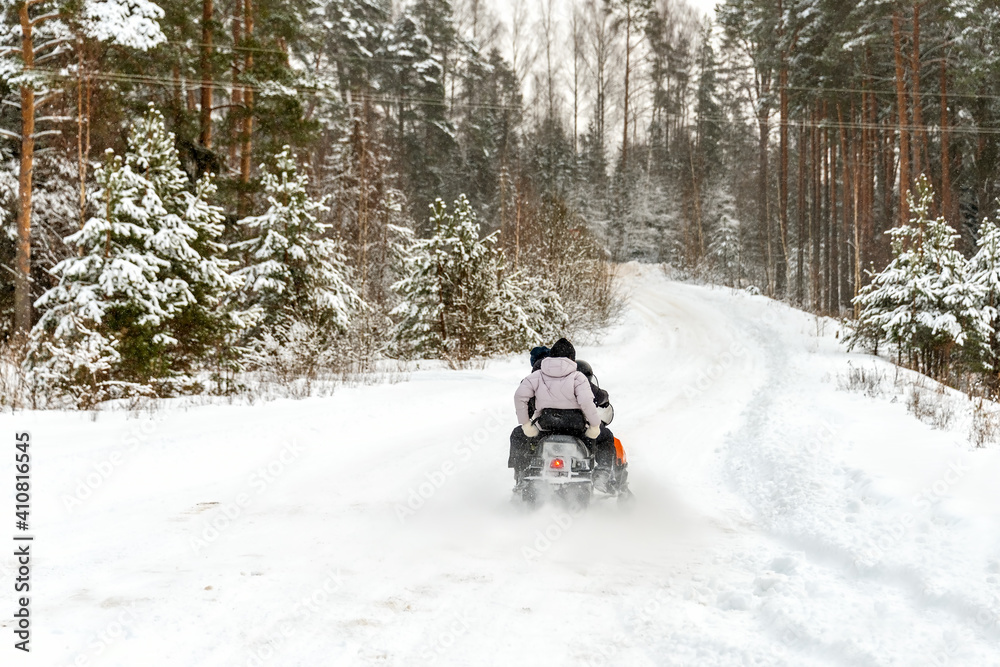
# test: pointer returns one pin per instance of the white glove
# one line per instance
(607, 413)
(530, 430)
(592, 432)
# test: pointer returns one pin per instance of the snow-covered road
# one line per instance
(779, 520)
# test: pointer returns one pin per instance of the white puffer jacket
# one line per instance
(557, 385)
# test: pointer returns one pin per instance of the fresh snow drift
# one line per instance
(779, 520)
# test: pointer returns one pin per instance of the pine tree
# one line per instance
(985, 270)
(458, 301)
(366, 209)
(31, 33)
(143, 292)
(293, 271)
(488, 131)
(924, 302)
(725, 249)
(527, 311)
(353, 32)
(446, 292)
(414, 80)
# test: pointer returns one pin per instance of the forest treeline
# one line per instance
(771, 145)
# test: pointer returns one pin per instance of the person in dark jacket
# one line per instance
(537, 354)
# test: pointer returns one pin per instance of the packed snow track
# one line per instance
(780, 520)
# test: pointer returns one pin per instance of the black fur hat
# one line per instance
(563, 348)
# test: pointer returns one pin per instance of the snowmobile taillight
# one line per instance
(557, 464)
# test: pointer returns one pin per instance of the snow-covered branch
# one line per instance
(50, 56)
(45, 99)
(134, 24)
(45, 17)
(51, 43)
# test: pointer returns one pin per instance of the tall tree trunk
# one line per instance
(781, 270)
(246, 151)
(237, 96)
(628, 65)
(22, 264)
(83, 98)
(846, 208)
(868, 153)
(887, 149)
(814, 220)
(763, 219)
(833, 296)
(801, 213)
(825, 217)
(363, 197)
(866, 198)
(919, 133)
(901, 115)
(945, 146)
(207, 35)
(858, 182)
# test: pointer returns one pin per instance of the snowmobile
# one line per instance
(562, 467)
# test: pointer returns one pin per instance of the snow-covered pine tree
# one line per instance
(292, 271)
(526, 310)
(985, 269)
(457, 300)
(33, 32)
(143, 291)
(725, 249)
(366, 209)
(130, 23)
(414, 81)
(188, 238)
(367, 212)
(924, 302)
(447, 290)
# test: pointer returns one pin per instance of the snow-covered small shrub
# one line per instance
(985, 426)
(933, 407)
(867, 381)
(76, 370)
(15, 390)
(294, 360)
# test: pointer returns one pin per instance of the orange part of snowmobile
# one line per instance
(620, 452)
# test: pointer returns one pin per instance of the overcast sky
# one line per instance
(706, 6)
(503, 8)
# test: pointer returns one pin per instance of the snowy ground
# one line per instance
(780, 520)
